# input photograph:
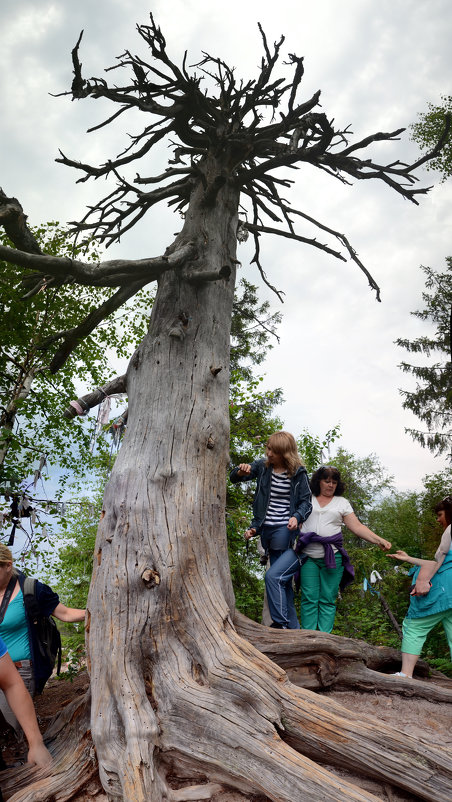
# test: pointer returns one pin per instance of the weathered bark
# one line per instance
(161, 565)
(14, 221)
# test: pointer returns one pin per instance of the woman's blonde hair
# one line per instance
(6, 556)
(284, 444)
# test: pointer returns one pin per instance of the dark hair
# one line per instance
(326, 472)
(446, 505)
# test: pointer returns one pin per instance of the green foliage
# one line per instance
(441, 664)
(360, 615)
(32, 400)
(431, 401)
(252, 330)
(365, 480)
(251, 419)
(75, 558)
(398, 518)
(250, 409)
(428, 131)
(73, 567)
(246, 572)
(314, 450)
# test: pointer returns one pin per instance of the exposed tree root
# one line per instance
(230, 718)
(318, 660)
(217, 706)
(74, 767)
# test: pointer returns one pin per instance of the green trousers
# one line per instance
(319, 589)
(415, 631)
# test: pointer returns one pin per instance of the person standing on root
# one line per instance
(282, 502)
(20, 701)
(325, 565)
(434, 606)
(17, 630)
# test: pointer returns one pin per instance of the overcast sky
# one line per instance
(377, 64)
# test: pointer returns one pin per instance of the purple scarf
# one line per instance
(330, 561)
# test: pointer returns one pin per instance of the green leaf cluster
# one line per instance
(32, 400)
(316, 450)
(427, 132)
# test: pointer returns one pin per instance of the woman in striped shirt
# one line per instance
(282, 502)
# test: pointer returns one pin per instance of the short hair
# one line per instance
(446, 505)
(284, 444)
(326, 472)
(6, 556)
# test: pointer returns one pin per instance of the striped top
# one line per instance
(278, 510)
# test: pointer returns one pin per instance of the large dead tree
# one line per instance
(181, 685)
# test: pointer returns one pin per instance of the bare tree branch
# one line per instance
(229, 137)
(72, 337)
(90, 400)
(14, 221)
(113, 273)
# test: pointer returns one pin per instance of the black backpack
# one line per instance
(46, 635)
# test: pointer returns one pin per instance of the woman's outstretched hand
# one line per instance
(399, 555)
(384, 545)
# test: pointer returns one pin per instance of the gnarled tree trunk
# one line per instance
(161, 593)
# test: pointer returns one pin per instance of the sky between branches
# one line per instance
(377, 65)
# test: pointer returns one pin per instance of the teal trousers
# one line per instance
(319, 589)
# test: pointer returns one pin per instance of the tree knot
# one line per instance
(150, 578)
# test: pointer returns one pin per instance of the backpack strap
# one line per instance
(30, 601)
(7, 596)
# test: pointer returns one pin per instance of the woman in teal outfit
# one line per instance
(18, 633)
(434, 607)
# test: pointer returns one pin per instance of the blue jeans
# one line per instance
(278, 579)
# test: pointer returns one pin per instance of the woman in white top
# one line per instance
(321, 549)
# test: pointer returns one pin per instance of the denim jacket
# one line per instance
(300, 492)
